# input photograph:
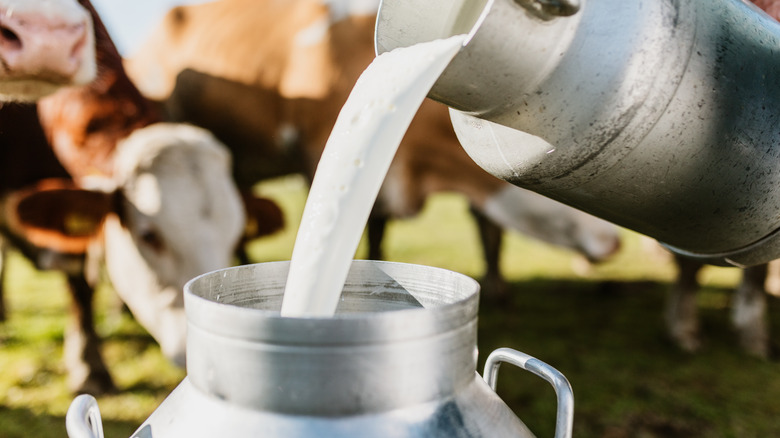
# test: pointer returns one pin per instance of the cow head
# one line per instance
(181, 207)
(44, 46)
(182, 216)
(174, 213)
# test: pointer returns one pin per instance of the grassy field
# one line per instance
(603, 330)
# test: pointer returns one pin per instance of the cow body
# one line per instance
(156, 200)
(269, 79)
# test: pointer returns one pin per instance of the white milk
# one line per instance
(353, 165)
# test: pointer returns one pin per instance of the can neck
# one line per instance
(407, 336)
(334, 380)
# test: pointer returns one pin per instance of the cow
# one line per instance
(43, 46)
(154, 200)
(174, 214)
(269, 78)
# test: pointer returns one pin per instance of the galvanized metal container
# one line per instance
(397, 360)
(659, 115)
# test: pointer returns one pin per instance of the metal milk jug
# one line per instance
(397, 360)
(662, 116)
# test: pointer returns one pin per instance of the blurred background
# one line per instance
(604, 330)
(601, 325)
(130, 22)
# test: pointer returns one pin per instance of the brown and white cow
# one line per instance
(163, 207)
(269, 78)
(174, 213)
(43, 46)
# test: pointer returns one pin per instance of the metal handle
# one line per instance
(563, 391)
(551, 8)
(83, 418)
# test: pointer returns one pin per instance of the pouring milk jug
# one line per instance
(660, 116)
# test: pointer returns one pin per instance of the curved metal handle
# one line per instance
(551, 8)
(83, 418)
(565, 416)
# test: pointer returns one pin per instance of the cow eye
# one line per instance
(97, 124)
(153, 239)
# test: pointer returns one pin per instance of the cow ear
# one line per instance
(263, 216)
(57, 215)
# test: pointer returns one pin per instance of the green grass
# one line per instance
(602, 329)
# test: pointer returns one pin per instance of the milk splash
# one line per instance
(356, 158)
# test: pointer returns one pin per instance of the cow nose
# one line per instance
(33, 45)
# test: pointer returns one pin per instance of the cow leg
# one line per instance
(377, 224)
(772, 283)
(3, 266)
(241, 254)
(749, 312)
(87, 373)
(681, 316)
(490, 233)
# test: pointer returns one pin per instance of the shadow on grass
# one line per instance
(24, 423)
(628, 379)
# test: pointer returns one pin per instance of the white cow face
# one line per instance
(182, 217)
(44, 45)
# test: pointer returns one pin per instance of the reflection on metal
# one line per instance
(565, 416)
(83, 418)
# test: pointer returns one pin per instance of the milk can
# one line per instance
(658, 115)
(397, 360)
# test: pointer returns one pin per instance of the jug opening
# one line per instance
(405, 301)
(427, 21)
(372, 288)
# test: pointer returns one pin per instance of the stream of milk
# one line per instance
(353, 166)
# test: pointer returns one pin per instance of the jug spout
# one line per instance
(660, 116)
